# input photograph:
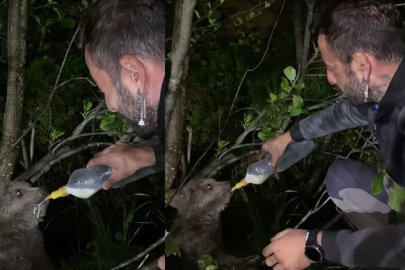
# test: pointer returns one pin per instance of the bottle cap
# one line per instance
(239, 185)
(61, 192)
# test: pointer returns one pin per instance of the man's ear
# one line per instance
(361, 65)
(133, 72)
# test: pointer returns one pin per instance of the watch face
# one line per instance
(313, 254)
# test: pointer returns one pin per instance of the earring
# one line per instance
(141, 121)
(365, 83)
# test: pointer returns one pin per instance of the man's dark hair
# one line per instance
(369, 26)
(119, 27)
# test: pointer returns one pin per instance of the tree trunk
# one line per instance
(175, 100)
(175, 140)
(16, 47)
(183, 21)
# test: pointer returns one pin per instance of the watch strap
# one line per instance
(312, 237)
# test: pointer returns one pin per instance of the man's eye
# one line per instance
(209, 186)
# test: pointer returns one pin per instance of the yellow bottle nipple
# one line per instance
(239, 185)
(62, 192)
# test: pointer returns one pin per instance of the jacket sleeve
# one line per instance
(337, 117)
(159, 150)
(373, 247)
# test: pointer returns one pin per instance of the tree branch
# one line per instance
(184, 12)
(60, 157)
(79, 129)
(32, 144)
(314, 210)
(140, 255)
(16, 53)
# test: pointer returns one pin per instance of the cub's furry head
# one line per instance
(206, 196)
(17, 201)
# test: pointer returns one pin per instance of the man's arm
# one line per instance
(337, 117)
(372, 247)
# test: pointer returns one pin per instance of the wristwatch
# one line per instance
(313, 251)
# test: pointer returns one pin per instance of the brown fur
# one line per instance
(197, 229)
(21, 242)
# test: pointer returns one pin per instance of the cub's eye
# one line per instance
(18, 193)
(209, 186)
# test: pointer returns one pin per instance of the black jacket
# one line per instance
(385, 245)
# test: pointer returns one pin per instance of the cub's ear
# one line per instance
(179, 199)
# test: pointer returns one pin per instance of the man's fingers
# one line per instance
(278, 267)
(280, 234)
(267, 251)
(161, 262)
(271, 261)
(108, 184)
(262, 154)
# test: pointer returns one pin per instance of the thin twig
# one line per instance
(236, 147)
(32, 144)
(25, 155)
(258, 64)
(66, 155)
(190, 140)
(140, 255)
(49, 100)
(97, 111)
(72, 138)
(314, 210)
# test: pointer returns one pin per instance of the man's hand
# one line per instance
(287, 250)
(124, 160)
(276, 147)
(161, 263)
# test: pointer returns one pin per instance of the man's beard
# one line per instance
(129, 109)
(355, 90)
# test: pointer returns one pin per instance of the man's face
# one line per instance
(120, 99)
(341, 76)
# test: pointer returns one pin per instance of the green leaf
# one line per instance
(284, 84)
(251, 15)
(283, 94)
(223, 144)
(299, 86)
(119, 237)
(197, 14)
(267, 4)
(71, 111)
(290, 73)
(295, 111)
(397, 198)
(240, 20)
(214, 15)
(38, 20)
(171, 248)
(57, 12)
(377, 184)
(273, 97)
(221, 1)
(297, 100)
(204, 262)
(88, 106)
(248, 118)
(68, 23)
(85, 3)
(211, 267)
